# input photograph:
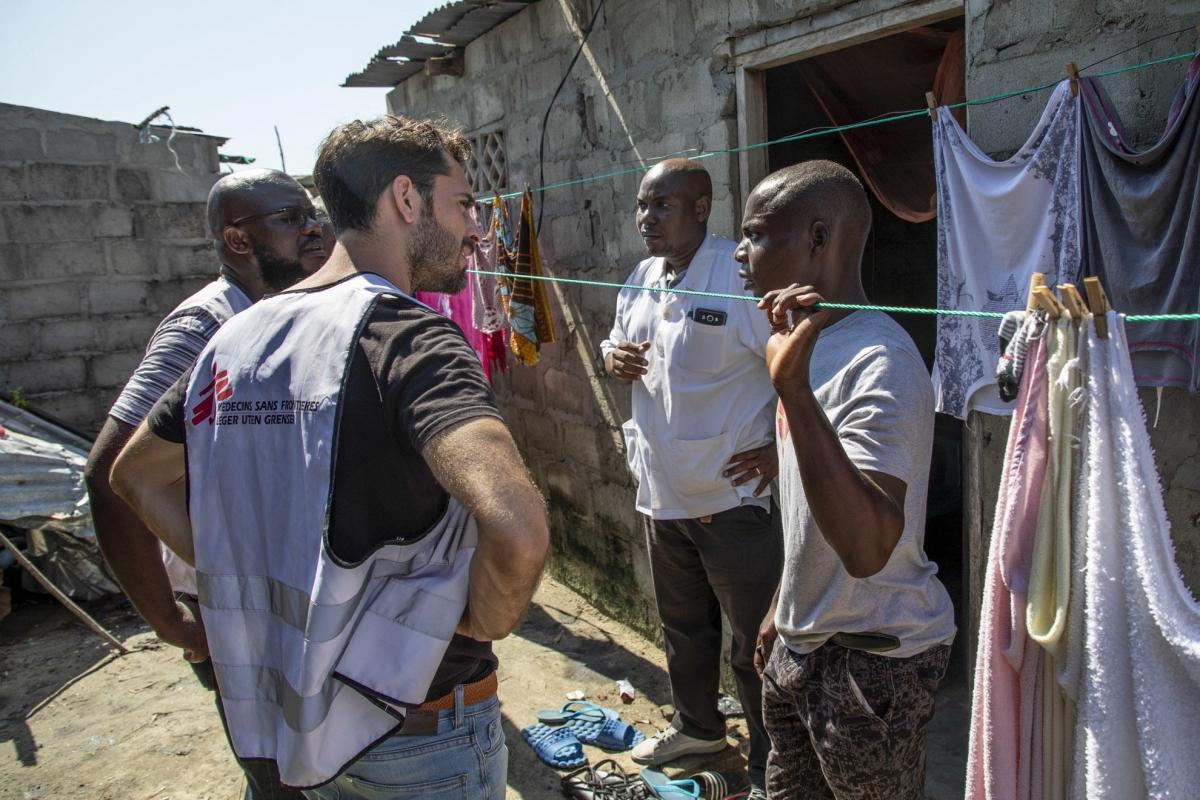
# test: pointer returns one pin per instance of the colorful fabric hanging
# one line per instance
(463, 310)
(488, 307)
(525, 300)
(1141, 228)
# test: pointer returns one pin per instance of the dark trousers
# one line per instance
(849, 725)
(731, 563)
(262, 775)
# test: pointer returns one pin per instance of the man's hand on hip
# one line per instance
(767, 636)
(186, 631)
(760, 463)
(627, 363)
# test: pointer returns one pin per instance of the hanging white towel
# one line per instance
(1138, 726)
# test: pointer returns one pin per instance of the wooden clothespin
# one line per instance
(1037, 280)
(1098, 300)
(1073, 76)
(932, 102)
(1049, 303)
(1073, 300)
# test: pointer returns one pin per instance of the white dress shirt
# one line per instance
(706, 394)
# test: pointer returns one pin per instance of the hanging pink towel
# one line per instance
(1004, 750)
(460, 309)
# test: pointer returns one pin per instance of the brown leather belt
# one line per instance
(423, 720)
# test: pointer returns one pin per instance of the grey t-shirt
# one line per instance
(873, 386)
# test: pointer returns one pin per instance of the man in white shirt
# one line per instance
(700, 444)
(863, 625)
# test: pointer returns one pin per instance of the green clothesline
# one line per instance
(902, 115)
(944, 312)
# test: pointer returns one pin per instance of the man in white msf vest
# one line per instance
(361, 523)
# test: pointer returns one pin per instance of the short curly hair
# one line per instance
(359, 160)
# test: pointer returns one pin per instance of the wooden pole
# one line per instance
(279, 142)
(60, 596)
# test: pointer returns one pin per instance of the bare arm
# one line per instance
(477, 462)
(150, 475)
(132, 550)
(859, 512)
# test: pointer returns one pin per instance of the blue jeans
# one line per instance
(466, 759)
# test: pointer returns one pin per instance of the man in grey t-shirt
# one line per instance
(863, 624)
(267, 236)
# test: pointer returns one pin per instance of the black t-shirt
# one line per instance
(412, 375)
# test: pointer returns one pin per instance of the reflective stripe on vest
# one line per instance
(298, 640)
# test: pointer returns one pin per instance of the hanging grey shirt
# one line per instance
(872, 384)
(1141, 228)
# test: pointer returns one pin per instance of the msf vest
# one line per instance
(315, 659)
(221, 299)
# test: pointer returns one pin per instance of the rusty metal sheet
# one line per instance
(454, 25)
(41, 473)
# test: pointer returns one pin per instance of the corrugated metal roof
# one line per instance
(41, 473)
(452, 26)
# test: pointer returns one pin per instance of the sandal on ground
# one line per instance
(558, 747)
(604, 781)
(720, 784)
(612, 734)
(661, 786)
(575, 709)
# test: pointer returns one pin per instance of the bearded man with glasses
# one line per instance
(267, 237)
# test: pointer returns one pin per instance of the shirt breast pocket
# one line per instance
(704, 347)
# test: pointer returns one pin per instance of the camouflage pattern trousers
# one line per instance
(847, 724)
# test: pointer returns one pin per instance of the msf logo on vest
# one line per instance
(217, 390)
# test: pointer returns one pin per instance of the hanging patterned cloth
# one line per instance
(487, 307)
(525, 299)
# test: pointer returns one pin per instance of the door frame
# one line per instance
(754, 53)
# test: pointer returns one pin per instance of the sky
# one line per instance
(231, 69)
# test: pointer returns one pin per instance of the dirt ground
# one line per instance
(76, 722)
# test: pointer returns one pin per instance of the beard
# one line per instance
(433, 254)
(277, 273)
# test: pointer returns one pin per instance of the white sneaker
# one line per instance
(670, 744)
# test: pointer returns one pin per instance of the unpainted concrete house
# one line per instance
(102, 233)
(705, 76)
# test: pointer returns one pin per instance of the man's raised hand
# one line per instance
(789, 350)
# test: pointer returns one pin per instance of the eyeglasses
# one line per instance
(291, 216)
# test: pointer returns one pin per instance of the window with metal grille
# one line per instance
(487, 168)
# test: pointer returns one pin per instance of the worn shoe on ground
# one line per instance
(670, 744)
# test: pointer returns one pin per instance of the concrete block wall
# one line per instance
(100, 237)
(1011, 45)
(653, 80)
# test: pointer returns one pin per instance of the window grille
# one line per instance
(487, 168)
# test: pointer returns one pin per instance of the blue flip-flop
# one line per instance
(663, 787)
(575, 710)
(559, 747)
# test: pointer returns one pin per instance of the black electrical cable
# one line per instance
(546, 117)
(1136, 46)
